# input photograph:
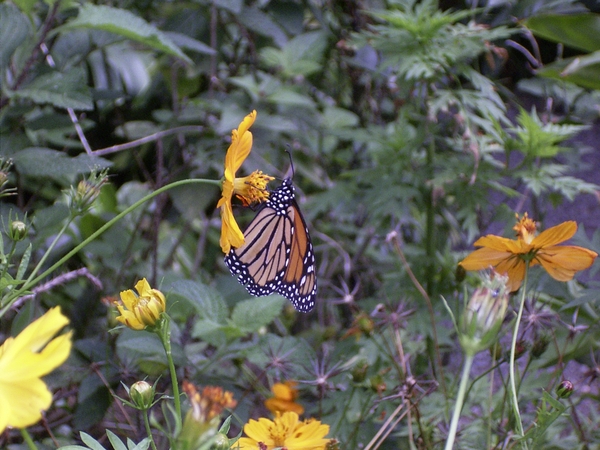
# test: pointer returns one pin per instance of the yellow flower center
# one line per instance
(278, 432)
(252, 189)
(525, 229)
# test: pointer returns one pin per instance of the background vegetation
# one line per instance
(415, 127)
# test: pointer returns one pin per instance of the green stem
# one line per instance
(165, 337)
(29, 283)
(48, 251)
(148, 430)
(513, 347)
(27, 439)
(460, 400)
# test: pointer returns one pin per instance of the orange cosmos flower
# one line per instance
(284, 398)
(509, 256)
(250, 189)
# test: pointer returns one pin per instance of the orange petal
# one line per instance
(561, 262)
(514, 268)
(555, 235)
(501, 244)
(484, 258)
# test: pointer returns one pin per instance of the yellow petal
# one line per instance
(241, 144)
(231, 235)
(143, 287)
(555, 235)
(128, 298)
(275, 404)
(23, 401)
(561, 262)
(514, 268)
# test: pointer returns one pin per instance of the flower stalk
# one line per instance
(512, 371)
(460, 400)
(13, 296)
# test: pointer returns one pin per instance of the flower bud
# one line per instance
(483, 316)
(359, 372)
(142, 395)
(81, 198)
(564, 389)
(18, 230)
(220, 442)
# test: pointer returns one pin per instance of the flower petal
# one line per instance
(555, 235)
(24, 400)
(143, 288)
(231, 235)
(502, 244)
(484, 258)
(561, 262)
(241, 144)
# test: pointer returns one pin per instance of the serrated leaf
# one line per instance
(208, 302)
(14, 29)
(252, 314)
(123, 23)
(63, 90)
(44, 162)
(90, 441)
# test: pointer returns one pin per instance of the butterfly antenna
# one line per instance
(291, 161)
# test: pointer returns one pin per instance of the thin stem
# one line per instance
(460, 400)
(513, 347)
(50, 248)
(165, 337)
(148, 430)
(27, 439)
(29, 283)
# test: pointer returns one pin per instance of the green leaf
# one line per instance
(580, 31)
(24, 263)
(90, 441)
(14, 29)
(583, 71)
(63, 90)
(44, 162)
(261, 23)
(115, 441)
(208, 303)
(123, 23)
(252, 314)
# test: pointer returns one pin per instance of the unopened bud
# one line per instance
(220, 442)
(483, 315)
(142, 395)
(359, 372)
(18, 230)
(564, 389)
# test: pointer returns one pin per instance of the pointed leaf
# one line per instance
(123, 23)
(14, 29)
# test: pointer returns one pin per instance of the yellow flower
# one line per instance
(284, 398)
(509, 256)
(141, 310)
(285, 431)
(23, 360)
(250, 189)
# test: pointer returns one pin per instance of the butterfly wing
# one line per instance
(277, 255)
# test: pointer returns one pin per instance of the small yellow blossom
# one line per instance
(284, 398)
(285, 431)
(250, 189)
(143, 309)
(23, 361)
(509, 256)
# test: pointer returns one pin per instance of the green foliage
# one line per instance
(410, 138)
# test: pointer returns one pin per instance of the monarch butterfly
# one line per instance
(277, 255)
